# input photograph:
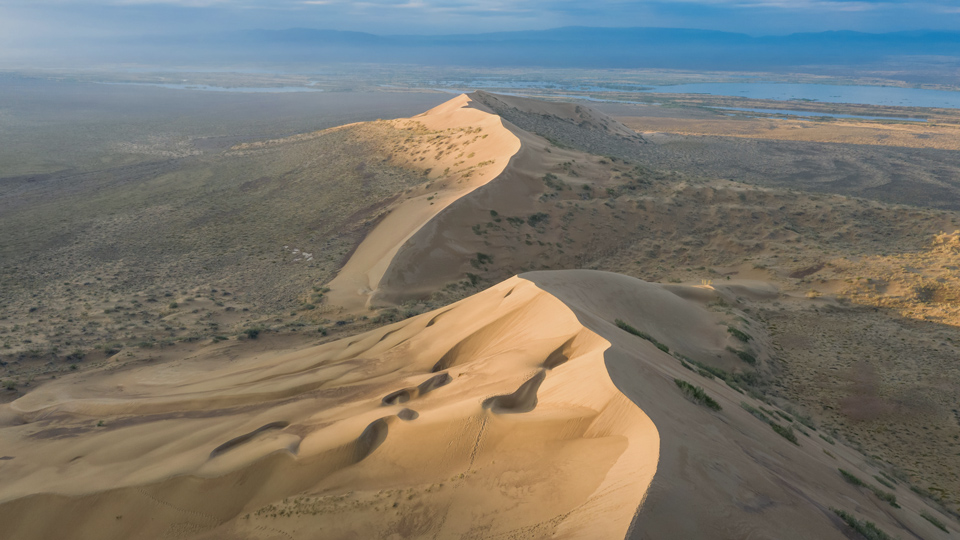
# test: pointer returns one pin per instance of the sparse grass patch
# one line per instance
(785, 432)
(828, 439)
(785, 416)
(866, 528)
(883, 482)
(697, 394)
(885, 496)
(739, 334)
(754, 411)
(480, 260)
(627, 328)
(851, 478)
(536, 219)
(744, 355)
(936, 522)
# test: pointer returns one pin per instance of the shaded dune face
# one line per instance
(494, 417)
(458, 147)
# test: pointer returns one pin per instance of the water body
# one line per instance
(818, 114)
(823, 93)
(827, 93)
(240, 89)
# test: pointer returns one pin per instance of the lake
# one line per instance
(810, 114)
(240, 89)
(828, 93)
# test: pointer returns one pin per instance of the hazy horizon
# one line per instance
(67, 28)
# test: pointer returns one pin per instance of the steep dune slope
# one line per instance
(492, 417)
(435, 236)
(454, 243)
(460, 145)
(722, 474)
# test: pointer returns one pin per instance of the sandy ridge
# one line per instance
(467, 147)
(530, 414)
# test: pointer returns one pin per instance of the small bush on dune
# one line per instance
(865, 528)
(754, 411)
(629, 329)
(785, 432)
(936, 522)
(739, 334)
(697, 394)
(850, 477)
(884, 496)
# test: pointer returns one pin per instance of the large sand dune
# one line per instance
(548, 406)
(521, 412)
(424, 242)
(464, 146)
(492, 417)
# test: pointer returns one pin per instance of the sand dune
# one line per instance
(419, 247)
(550, 405)
(521, 412)
(492, 417)
(461, 146)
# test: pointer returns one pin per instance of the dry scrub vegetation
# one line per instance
(138, 259)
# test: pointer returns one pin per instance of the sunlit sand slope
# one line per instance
(460, 146)
(492, 418)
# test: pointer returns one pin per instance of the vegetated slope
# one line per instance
(192, 247)
(564, 124)
(506, 414)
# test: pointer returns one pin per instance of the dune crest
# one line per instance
(461, 146)
(520, 431)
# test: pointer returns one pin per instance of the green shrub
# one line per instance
(744, 355)
(538, 218)
(697, 394)
(754, 411)
(252, 333)
(936, 522)
(785, 432)
(742, 336)
(627, 328)
(885, 496)
(481, 259)
(852, 478)
(883, 482)
(866, 528)
(828, 439)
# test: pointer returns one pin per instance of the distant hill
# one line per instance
(560, 47)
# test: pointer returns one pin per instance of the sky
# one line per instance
(32, 20)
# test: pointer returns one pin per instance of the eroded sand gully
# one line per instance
(490, 416)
